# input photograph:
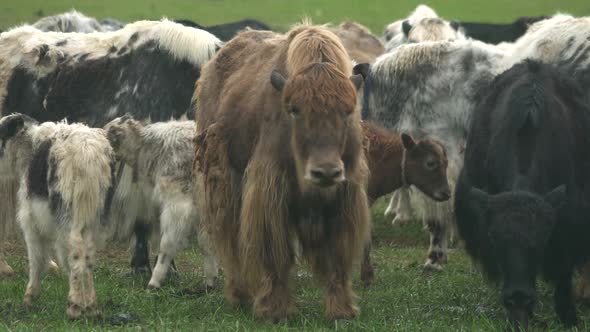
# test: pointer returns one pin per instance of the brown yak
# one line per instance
(395, 161)
(362, 46)
(280, 157)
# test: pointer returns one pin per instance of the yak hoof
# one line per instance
(74, 311)
(433, 266)
(367, 275)
(400, 219)
(347, 312)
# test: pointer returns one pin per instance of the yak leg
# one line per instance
(140, 259)
(583, 283)
(367, 270)
(210, 265)
(176, 223)
(7, 221)
(400, 206)
(564, 301)
(437, 252)
(80, 261)
(37, 250)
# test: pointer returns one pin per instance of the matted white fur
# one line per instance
(66, 219)
(23, 46)
(162, 194)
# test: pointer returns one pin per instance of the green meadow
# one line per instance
(404, 297)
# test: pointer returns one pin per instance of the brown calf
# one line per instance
(395, 161)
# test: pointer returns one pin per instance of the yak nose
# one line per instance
(443, 194)
(326, 175)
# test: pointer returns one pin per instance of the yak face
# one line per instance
(518, 226)
(430, 29)
(10, 126)
(320, 101)
(426, 167)
(124, 135)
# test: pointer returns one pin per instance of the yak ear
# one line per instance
(11, 126)
(362, 69)
(556, 197)
(455, 25)
(357, 80)
(277, 80)
(479, 197)
(408, 141)
(406, 27)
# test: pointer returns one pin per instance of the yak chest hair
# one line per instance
(315, 217)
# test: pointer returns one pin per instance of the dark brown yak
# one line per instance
(280, 157)
(423, 166)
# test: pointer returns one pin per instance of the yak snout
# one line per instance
(443, 194)
(519, 304)
(325, 174)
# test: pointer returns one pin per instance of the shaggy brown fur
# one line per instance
(425, 167)
(258, 156)
(362, 46)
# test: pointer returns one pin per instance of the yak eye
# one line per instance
(431, 164)
(294, 111)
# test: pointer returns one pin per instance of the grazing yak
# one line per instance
(280, 158)
(395, 161)
(147, 69)
(227, 31)
(362, 46)
(421, 26)
(492, 33)
(160, 156)
(429, 90)
(74, 21)
(64, 176)
(529, 135)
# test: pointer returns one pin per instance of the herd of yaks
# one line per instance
(296, 135)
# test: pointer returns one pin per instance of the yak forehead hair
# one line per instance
(315, 44)
(421, 12)
(321, 86)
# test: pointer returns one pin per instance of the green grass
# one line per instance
(281, 13)
(404, 298)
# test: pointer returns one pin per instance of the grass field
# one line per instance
(281, 13)
(404, 298)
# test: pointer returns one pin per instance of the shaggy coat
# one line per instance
(158, 187)
(147, 69)
(529, 135)
(64, 175)
(74, 21)
(422, 26)
(281, 162)
(362, 46)
(429, 90)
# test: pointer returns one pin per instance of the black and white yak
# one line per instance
(529, 135)
(159, 158)
(64, 181)
(429, 90)
(147, 69)
(74, 21)
(422, 25)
